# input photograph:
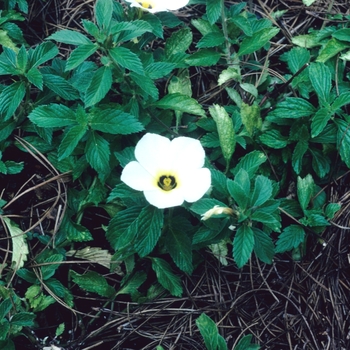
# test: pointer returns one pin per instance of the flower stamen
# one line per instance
(146, 4)
(167, 182)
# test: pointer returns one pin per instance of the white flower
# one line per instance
(159, 5)
(216, 210)
(168, 172)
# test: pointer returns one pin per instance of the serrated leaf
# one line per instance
(166, 277)
(5, 307)
(298, 155)
(342, 100)
(209, 331)
(114, 121)
(70, 140)
(70, 37)
(50, 265)
(250, 115)
(297, 57)
(178, 42)
(213, 10)
(343, 140)
(320, 162)
(319, 121)
(61, 87)
(23, 319)
(331, 210)
(119, 225)
(242, 23)
(157, 70)
(97, 153)
(245, 344)
(103, 13)
(42, 53)
(321, 80)
(131, 285)
(274, 139)
(257, 41)
(305, 190)
(180, 103)
(293, 107)
(332, 48)
(35, 77)
(93, 282)
(262, 191)
(79, 55)
(149, 228)
(99, 86)
(243, 245)
(212, 39)
(291, 237)
(203, 57)
(37, 300)
(229, 73)
(250, 163)
(10, 99)
(20, 249)
(226, 131)
(53, 115)
(179, 246)
(263, 246)
(146, 84)
(127, 59)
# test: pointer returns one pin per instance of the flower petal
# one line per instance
(152, 152)
(137, 177)
(195, 184)
(186, 153)
(175, 5)
(162, 199)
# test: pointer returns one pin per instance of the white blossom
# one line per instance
(158, 5)
(168, 172)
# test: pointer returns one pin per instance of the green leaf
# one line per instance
(331, 210)
(213, 10)
(239, 189)
(5, 307)
(53, 115)
(70, 37)
(342, 100)
(342, 34)
(35, 78)
(320, 162)
(127, 59)
(263, 246)
(149, 228)
(228, 74)
(97, 153)
(166, 277)
(205, 204)
(146, 84)
(250, 163)
(42, 53)
(209, 331)
(274, 139)
(257, 41)
(50, 265)
(293, 107)
(245, 344)
(298, 154)
(93, 282)
(23, 319)
(79, 55)
(114, 121)
(119, 226)
(99, 86)
(10, 99)
(321, 80)
(262, 191)
(212, 39)
(332, 48)
(131, 284)
(305, 190)
(20, 249)
(180, 103)
(242, 23)
(22, 59)
(343, 140)
(250, 116)
(61, 87)
(179, 245)
(226, 131)
(70, 140)
(297, 57)
(179, 42)
(291, 237)
(157, 70)
(103, 13)
(203, 58)
(319, 121)
(243, 245)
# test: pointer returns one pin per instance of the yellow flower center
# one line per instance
(167, 182)
(146, 4)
